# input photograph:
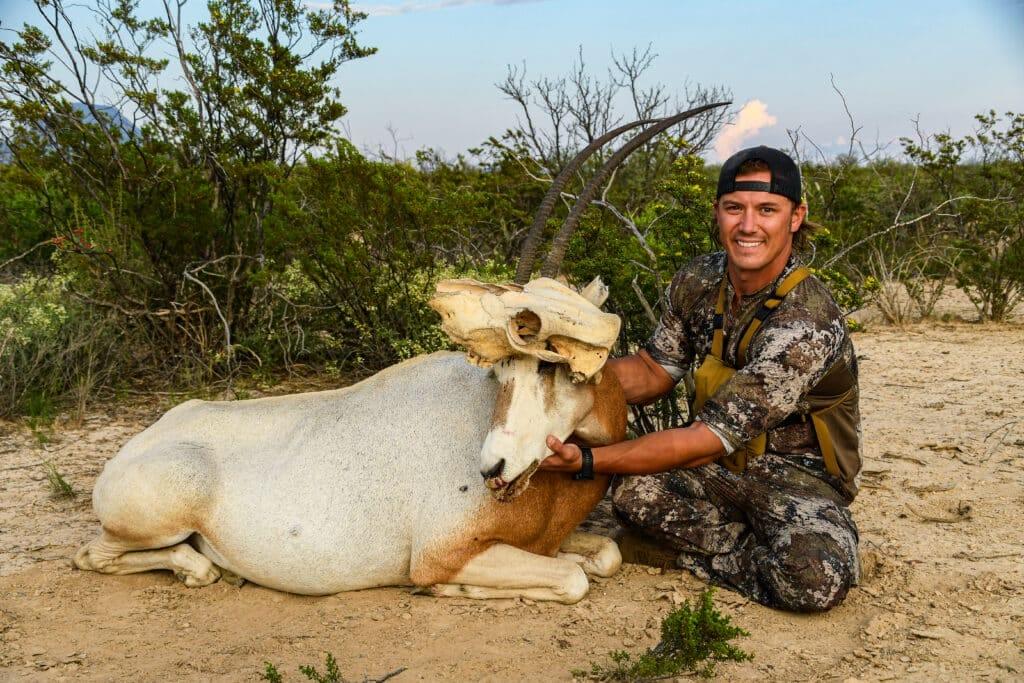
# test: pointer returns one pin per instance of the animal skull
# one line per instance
(544, 319)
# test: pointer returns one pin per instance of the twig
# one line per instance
(23, 254)
(961, 555)
(900, 456)
(1002, 426)
(22, 467)
(962, 513)
(643, 302)
(223, 320)
(903, 224)
(387, 676)
(150, 392)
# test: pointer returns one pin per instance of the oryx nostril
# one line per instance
(494, 471)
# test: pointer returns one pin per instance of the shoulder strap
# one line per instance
(770, 304)
(718, 340)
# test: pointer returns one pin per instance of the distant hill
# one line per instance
(105, 110)
(110, 111)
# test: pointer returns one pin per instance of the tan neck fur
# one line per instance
(606, 421)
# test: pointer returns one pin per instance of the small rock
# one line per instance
(406, 615)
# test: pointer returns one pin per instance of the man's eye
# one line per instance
(767, 210)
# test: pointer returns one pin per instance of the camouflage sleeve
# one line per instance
(669, 345)
(790, 354)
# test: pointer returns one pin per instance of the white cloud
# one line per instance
(752, 118)
(841, 140)
(409, 6)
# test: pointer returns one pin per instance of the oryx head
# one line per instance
(546, 344)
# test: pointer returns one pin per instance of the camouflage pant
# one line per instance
(775, 534)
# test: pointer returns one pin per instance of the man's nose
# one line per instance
(748, 222)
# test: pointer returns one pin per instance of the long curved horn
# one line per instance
(529, 253)
(561, 242)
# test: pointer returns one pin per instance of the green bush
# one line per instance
(53, 350)
(693, 639)
(376, 238)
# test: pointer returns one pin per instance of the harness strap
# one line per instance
(770, 304)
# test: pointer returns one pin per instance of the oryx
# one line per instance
(380, 483)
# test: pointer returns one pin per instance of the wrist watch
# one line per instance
(587, 468)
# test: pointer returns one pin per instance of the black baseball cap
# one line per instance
(785, 174)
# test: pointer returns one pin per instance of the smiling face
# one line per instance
(756, 229)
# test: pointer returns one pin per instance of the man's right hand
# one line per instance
(565, 457)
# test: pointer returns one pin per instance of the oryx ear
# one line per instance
(596, 292)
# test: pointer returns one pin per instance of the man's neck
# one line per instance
(745, 282)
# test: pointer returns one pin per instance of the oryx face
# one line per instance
(535, 398)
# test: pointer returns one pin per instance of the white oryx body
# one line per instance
(371, 485)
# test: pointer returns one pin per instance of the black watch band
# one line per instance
(587, 469)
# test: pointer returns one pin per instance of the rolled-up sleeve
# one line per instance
(670, 345)
(787, 358)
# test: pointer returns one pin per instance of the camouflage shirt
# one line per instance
(796, 346)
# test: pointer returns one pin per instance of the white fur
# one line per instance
(312, 493)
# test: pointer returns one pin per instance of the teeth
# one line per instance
(748, 244)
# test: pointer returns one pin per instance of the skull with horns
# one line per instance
(526, 328)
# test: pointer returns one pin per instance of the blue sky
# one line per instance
(433, 77)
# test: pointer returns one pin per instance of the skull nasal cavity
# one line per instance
(527, 324)
(494, 471)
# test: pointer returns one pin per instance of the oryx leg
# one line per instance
(503, 571)
(597, 555)
(109, 555)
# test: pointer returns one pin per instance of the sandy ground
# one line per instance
(941, 514)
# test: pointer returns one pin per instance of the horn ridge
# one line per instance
(528, 255)
(561, 241)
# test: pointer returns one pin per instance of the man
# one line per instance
(754, 493)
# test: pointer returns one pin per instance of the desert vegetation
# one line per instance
(200, 221)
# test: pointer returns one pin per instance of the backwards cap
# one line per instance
(785, 174)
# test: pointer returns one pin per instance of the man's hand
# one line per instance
(566, 457)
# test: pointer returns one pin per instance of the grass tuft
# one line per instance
(692, 640)
(59, 486)
(331, 674)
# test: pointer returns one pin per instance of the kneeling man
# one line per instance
(753, 494)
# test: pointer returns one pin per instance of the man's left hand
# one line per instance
(566, 457)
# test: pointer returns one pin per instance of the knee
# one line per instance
(634, 497)
(574, 585)
(810, 574)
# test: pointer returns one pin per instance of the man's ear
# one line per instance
(799, 214)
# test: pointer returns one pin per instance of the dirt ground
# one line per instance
(941, 515)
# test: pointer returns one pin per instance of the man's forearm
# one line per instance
(660, 451)
(642, 379)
